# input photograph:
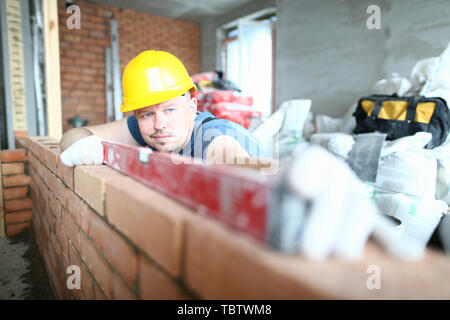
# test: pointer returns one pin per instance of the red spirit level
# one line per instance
(255, 204)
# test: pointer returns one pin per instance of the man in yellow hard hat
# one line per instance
(157, 89)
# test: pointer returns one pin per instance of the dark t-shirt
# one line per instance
(206, 129)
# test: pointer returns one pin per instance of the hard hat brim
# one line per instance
(152, 98)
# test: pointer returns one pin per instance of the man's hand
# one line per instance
(86, 151)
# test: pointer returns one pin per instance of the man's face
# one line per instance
(167, 126)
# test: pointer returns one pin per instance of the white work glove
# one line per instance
(86, 151)
(342, 215)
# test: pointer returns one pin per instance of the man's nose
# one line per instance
(160, 121)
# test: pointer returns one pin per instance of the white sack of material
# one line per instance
(416, 142)
(285, 125)
(419, 217)
(420, 73)
(405, 167)
(338, 143)
(443, 181)
(407, 172)
(393, 84)
(442, 154)
(327, 124)
(438, 78)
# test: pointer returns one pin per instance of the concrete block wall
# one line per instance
(132, 242)
(326, 53)
(82, 52)
(16, 190)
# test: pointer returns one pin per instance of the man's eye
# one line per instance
(147, 115)
(170, 110)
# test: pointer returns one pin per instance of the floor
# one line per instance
(22, 270)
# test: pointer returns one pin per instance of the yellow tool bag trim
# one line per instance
(403, 116)
(396, 110)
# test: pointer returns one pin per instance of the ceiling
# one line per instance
(188, 10)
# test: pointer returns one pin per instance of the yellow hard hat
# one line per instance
(153, 77)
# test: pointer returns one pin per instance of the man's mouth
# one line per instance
(162, 137)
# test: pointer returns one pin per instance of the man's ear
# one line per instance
(193, 105)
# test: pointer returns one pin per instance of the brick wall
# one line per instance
(82, 52)
(16, 193)
(132, 242)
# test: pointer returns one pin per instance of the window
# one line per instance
(248, 59)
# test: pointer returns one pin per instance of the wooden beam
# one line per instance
(52, 72)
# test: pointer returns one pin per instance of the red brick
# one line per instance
(46, 224)
(153, 284)
(55, 185)
(79, 210)
(33, 194)
(97, 265)
(234, 266)
(13, 229)
(38, 150)
(114, 248)
(64, 260)
(14, 155)
(39, 146)
(149, 219)
(89, 183)
(55, 206)
(17, 204)
(120, 291)
(56, 247)
(62, 236)
(65, 173)
(98, 293)
(20, 143)
(71, 229)
(104, 13)
(53, 273)
(12, 168)
(51, 157)
(37, 166)
(16, 180)
(86, 281)
(19, 216)
(14, 193)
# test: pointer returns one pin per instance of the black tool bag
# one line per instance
(403, 116)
